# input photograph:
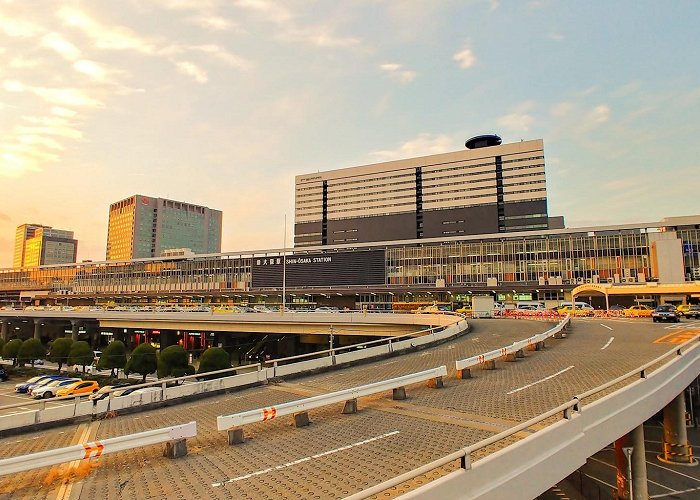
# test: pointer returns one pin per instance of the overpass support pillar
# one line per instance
(676, 449)
(640, 491)
(37, 329)
(4, 330)
(74, 325)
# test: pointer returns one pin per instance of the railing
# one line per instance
(226, 422)
(570, 411)
(96, 448)
(466, 364)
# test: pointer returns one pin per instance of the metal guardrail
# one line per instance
(96, 448)
(566, 410)
(226, 422)
(463, 364)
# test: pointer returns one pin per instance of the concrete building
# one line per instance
(142, 226)
(37, 245)
(491, 188)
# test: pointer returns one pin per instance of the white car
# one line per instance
(49, 390)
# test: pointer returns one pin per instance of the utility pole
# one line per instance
(284, 267)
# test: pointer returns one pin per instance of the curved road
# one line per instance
(341, 454)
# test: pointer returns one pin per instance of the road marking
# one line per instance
(671, 470)
(677, 337)
(605, 326)
(540, 381)
(302, 460)
(609, 342)
(674, 493)
(601, 481)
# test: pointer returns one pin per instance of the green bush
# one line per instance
(172, 359)
(113, 357)
(60, 350)
(11, 350)
(30, 351)
(81, 354)
(214, 358)
(142, 361)
(2, 344)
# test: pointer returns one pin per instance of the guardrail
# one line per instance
(339, 355)
(510, 352)
(175, 436)
(233, 423)
(555, 451)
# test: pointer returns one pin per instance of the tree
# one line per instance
(60, 350)
(81, 354)
(11, 349)
(143, 361)
(173, 361)
(113, 357)
(30, 351)
(214, 358)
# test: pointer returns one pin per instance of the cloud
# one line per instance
(191, 69)
(61, 46)
(18, 28)
(520, 119)
(423, 145)
(493, 5)
(558, 37)
(213, 22)
(397, 72)
(90, 68)
(224, 56)
(465, 58)
(597, 116)
(104, 36)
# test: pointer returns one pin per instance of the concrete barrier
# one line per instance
(233, 423)
(174, 434)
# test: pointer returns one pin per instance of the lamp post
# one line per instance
(284, 267)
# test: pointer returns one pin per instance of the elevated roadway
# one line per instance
(338, 455)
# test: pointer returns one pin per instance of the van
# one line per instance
(529, 305)
(579, 305)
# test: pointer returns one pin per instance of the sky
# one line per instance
(222, 102)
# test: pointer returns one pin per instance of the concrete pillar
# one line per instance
(399, 394)
(350, 406)
(175, 449)
(37, 329)
(4, 329)
(640, 491)
(436, 383)
(301, 419)
(75, 326)
(676, 449)
(235, 436)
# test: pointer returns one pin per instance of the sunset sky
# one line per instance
(222, 102)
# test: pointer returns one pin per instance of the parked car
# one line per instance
(80, 387)
(616, 307)
(639, 311)
(3, 374)
(326, 309)
(104, 391)
(24, 387)
(464, 310)
(578, 312)
(665, 312)
(49, 390)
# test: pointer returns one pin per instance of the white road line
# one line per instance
(305, 459)
(609, 342)
(605, 326)
(674, 493)
(671, 470)
(540, 381)
(601, 481)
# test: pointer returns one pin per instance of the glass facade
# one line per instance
(552, 260)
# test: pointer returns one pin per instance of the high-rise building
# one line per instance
(142, 226)
(37, 245)
(487, 188)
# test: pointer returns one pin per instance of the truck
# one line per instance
(483, 306)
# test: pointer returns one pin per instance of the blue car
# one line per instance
(25, 386)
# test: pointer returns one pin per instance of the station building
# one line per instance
(543, 265)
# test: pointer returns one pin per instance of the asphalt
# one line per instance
(337, 454)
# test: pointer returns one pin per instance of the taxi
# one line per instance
(77, 388)
(639, 311)
(580, 311)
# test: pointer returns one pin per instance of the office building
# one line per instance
(142, 226)
(37, 245)
(487, 188)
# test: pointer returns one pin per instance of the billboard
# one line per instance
(322, 269)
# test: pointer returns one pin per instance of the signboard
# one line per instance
(321, 269)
